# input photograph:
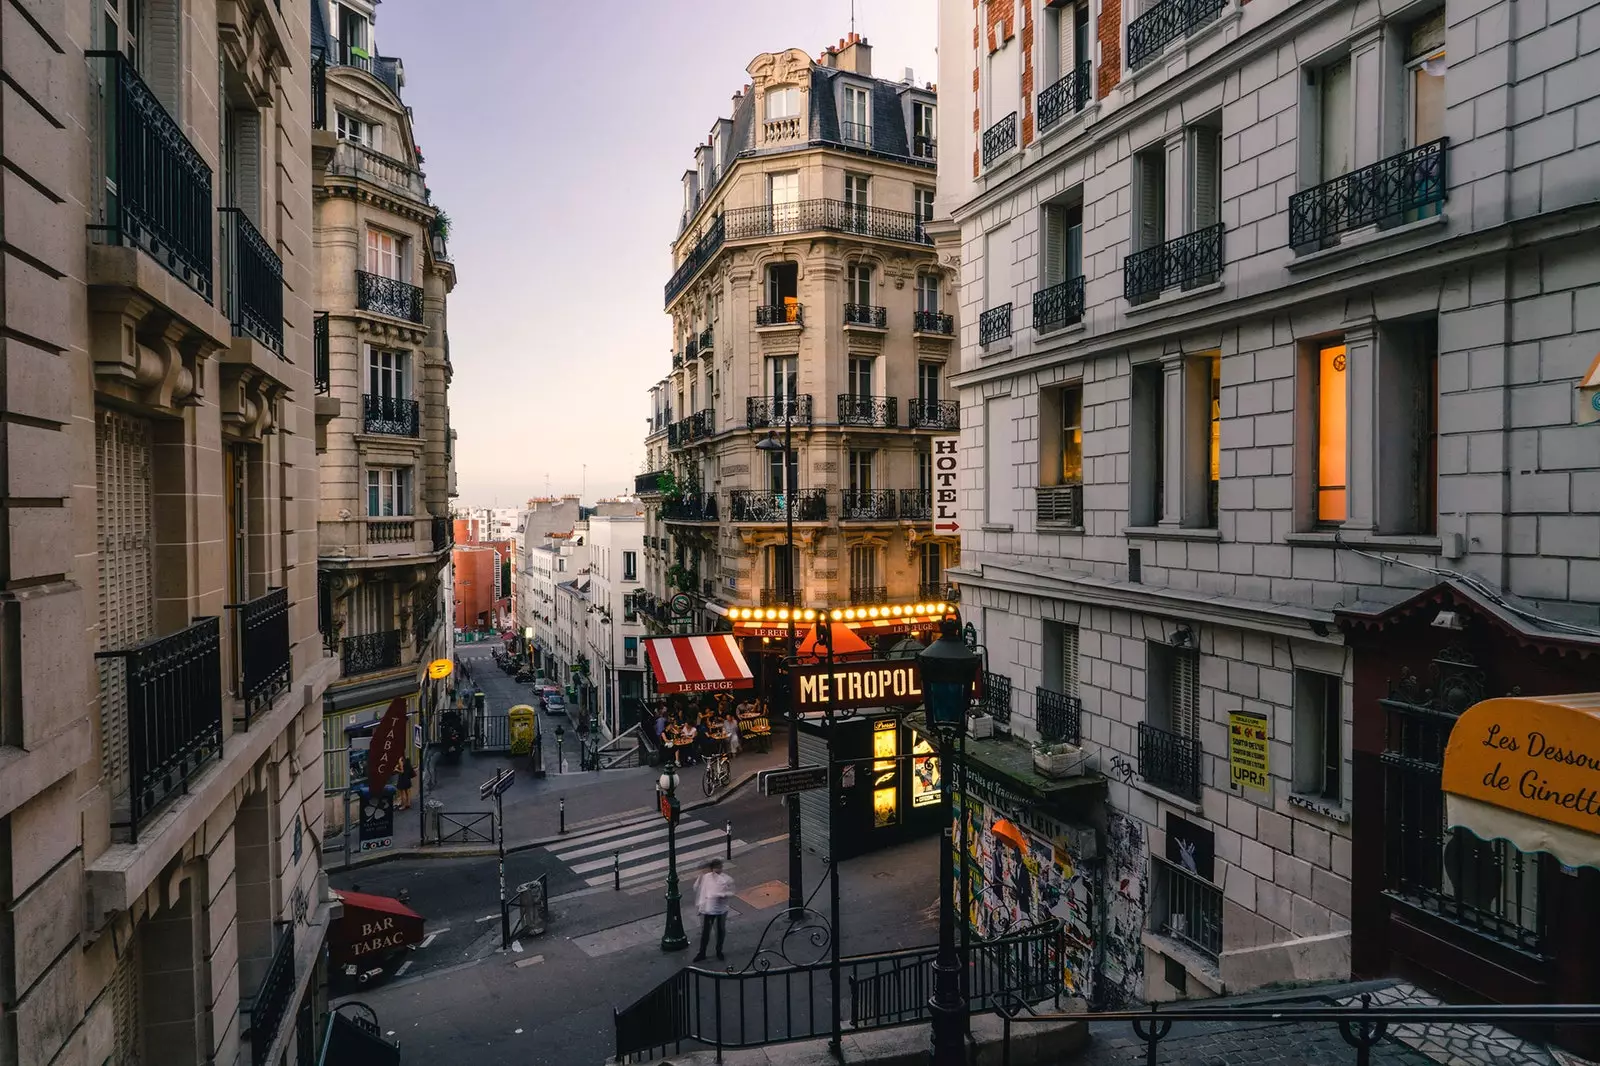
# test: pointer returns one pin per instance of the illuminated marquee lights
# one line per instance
(892, 618)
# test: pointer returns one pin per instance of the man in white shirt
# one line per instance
(711, 894)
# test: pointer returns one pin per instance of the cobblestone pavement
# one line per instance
(1462, 1045)
(1223, 1044)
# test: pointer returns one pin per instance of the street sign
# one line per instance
(945, 464)
(680, 605)
(785, 782)
(669, 808)
(440, 669)
(497, 784)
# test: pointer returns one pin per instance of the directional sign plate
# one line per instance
(497, 784)
(785, 782)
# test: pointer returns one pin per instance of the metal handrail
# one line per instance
(1381, 194)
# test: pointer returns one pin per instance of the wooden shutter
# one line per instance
(247, 163)
(1065, 59)
(1069, 660)
(160, 44)
(127, 1028)
(1185, 693)
(1055, 245)
(1205, 177)
(126, 572)
(1151, 225)
(1338, 132)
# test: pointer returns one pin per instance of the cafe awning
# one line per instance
(706, 663)
(1526, 769)
(371, 927)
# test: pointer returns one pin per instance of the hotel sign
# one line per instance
(849, 686)
(944, 485)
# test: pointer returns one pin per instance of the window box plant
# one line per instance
(1058, 759)
(979, 724)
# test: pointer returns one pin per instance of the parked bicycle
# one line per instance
(718, 772)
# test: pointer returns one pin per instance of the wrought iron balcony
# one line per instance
(779, 597)
(937, 591)
(999, 138)
(703, 424)
(273, 998)
(386, 296)
(866, 315)
(645, 484)
(867, 506)
(157, 194)
(677, 359)
(1066, 97)
(868, 594)
(443, 533)
(391, 416)
(1060, 716)
(855, 132)
(1166, 22)
(425, 611)
(369, 652)
(169, 693)
(762, 412)
(1391, 191)
(691, 349)
(391, 531)
(1169, 761)
(880, 411)
(706, 337)
(704, 250)
(1186, 907)
(691, 507)
(916, 505)
(780, 315)
(1059, 305)
(934, 414)
(994, 324)
(253, 274)
(1183, 262)
(752, 505)
(319, 89)
(261, 643)
(997, 696)
(933, 322)
(924, 147)
(1061, 504)
(321, 371)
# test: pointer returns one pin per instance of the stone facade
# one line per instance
(1336, 294)
(616, 661)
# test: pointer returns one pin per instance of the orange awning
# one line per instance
(846, 645)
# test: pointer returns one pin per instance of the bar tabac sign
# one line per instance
(850, 686)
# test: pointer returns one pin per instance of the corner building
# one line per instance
(1272, 317)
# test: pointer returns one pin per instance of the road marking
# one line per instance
(404, 966)
(489, 918)
(429, 939)
(569, 846)
(627, 858)
(684, 858)
(531, 961)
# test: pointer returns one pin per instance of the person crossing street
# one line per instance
(711, 894)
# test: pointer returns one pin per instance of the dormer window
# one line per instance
(856, 123)
(783, 102)
(354, 31)
(357, 131)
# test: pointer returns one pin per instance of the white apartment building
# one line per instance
(559, 558)
(1271, 317)
(616, 660)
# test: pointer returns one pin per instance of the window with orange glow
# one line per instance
(1072, 436)
(1333, 423)
(1216, 431)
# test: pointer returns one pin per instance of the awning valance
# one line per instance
(707, 663)
(371, 927)
(1526, 769)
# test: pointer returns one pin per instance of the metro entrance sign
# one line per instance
(848, 686)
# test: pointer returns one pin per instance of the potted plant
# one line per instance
(1057, 758)
(980, 724)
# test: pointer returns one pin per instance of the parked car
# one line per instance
(555, 704)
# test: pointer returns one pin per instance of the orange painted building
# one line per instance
(483, 592)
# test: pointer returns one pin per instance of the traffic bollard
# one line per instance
(563, 811)
(616, 871)
(729, 831)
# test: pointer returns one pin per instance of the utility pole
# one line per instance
(496, 786)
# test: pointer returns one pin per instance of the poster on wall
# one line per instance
(925, 779)
(1191, 847)
(377, 821)
(885, 784)
(1247, 750)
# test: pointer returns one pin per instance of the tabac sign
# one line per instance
(849, 686)
(944, 485)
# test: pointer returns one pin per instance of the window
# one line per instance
(354, 37)
(240, 154)
(928, 382)
(1002, 81)
(389, 491)
(783, 102)
(1205, 175)
(775, 472)
(1332, 409)
(1147, 457)
(1201, 426)
(1408, 429)
(1060, 673)
(856, 124)
(357, 131)
(930, 568)
(1214, 434)
(147, 33)
(858, 283)
(783, 281)
(1000, 474)
(385, 254)
(861, 463)
(857, 201)
(928, 293)
(783, 372)
(387, 374)
(1335, 102)
(1319, 735)
(925, 130)
(922, 203)
(630, 566)
(863, 570)
(1060, 496)
(1150, 200)
(1071, 400)
(783, 194)
(997, 267)
(780, 570)
(1172, 689)
(1063, 242)
(1425, 72)
(925, 474)
(861, 373)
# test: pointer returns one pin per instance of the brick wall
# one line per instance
(1110, 70)
(1027, 74)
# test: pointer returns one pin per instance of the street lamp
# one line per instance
(947, 668)
(674, 938)
(786, 446)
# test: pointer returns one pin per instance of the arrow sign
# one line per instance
(497, 784)
(785, 782)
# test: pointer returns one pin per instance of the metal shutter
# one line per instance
(1205, 176)
(160, 45)
(1151, 224)
(1069, 660)
(1185, 693)
(125, 1025)
(1055, 244)
(126, 572)
(1066, 60)
(814, 821)
(1338, 133)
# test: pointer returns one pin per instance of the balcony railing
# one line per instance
(157, 185)
(262, 628)
(254, 277)
(425, 612)
(319, 89)
(391, 531)
(352, 160)
(871, 505)
(994, 324)
(386, 296)
(644, 484)
(678, 433)
(1399, 189)
(1188, 261)
(705, 248)
(391, 416)
(934, 591)
(924, 147)
(370, 651)
(999, 138)
(933, 322)
(1166, 22)
(1060, 716)
(1186, 907)
(1169, 761)
(691, 349)
(272, 1002)
(855, 132)
(691, 507)
(762, 412)
(321, 368)
(780, 315)
(1061, 504)
(751, 505)
(170, 690)
(443, 532)
(868, 594)
(779, 597)
(934, 414)
(866, 315)
(916, 505)
(1066, 97)
(880, 411)
(702, 424)
(997, 696)
(706, 337)
(1059, 305)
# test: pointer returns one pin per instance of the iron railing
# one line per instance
(1187, 907)
(1187, 261)
(321, 365)
(706, 337)
(678, 433)
(319, 89)
(391, 416)
(1060, 717)
(391, 531)
(703, 424)
(1069, 95)
(1398, 189)
(388, 296)
(173, 687)
(762, 412)
(1169, 761)
(253, 274)
(752, 505)
(937, 591)
(997, 696)
(370, 651)
(691, 507)
(265, 662)
(855, 132)
(994, 324)
(644, 484)
(691, 349)
(881, 411)
(491, 732)
(916, 505)
(924, 147)
(868, 594)
(705, 248)
(869, 505)
(425, 611)
(933, 414)
(443, 532)
(1062, 504)
(1166, 22)
(866, 315)
(780, 315)
(933, 322)
(1059, 305)
(273, 998)
(999, 138)
(779, 597)
(157, 184)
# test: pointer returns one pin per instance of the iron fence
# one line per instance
(855, 132)
(691, 507)
(702, 424)
(443, 530)
(878, 411)
(1060, 716)
(999, 138)
(933, 322)
(369, 651)
(321, 369)
(319, 89)
(997, 696)
(1402, 188)
(254, 277)
(763, 412)
(924, 147)
(391, 416)
(869, 505)
(1186, 907)
(644, 484)
(936, 591)
(1166, 22)
(262, 626)
(388, 296)
(994, 324)
(491, 732)
(463, 827)
(840, 216)
(779, 596)
(1069, 95)
(916, 505)
(1169, 761)
(1187, 261)
(868, 593)
(1059, 305)
(933, 414)
(1060, 503)
(273, 998)
(866, 315)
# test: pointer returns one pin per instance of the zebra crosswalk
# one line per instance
(639, 849)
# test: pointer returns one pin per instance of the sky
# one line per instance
(555, 134)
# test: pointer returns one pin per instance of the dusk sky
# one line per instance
(555, 135)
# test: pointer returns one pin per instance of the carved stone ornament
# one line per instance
(386, 334)
(866, 539)
(249, 401)
(145, 354)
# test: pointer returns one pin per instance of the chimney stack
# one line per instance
(852, 53)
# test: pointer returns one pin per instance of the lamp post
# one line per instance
(947, 668)
(786, 446)
(673, 938)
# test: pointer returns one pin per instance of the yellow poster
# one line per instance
(1247, 750)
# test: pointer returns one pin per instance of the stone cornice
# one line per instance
(354, 188)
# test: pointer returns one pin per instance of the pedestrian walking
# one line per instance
(402, 783)
(730, 733)
(711, 894)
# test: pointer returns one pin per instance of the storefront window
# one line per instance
(885, 772)
(925, 780)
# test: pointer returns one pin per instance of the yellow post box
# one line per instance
(524, 727)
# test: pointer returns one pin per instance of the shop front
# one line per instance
(886, 781)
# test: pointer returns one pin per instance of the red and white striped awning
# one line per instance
(709, 663)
